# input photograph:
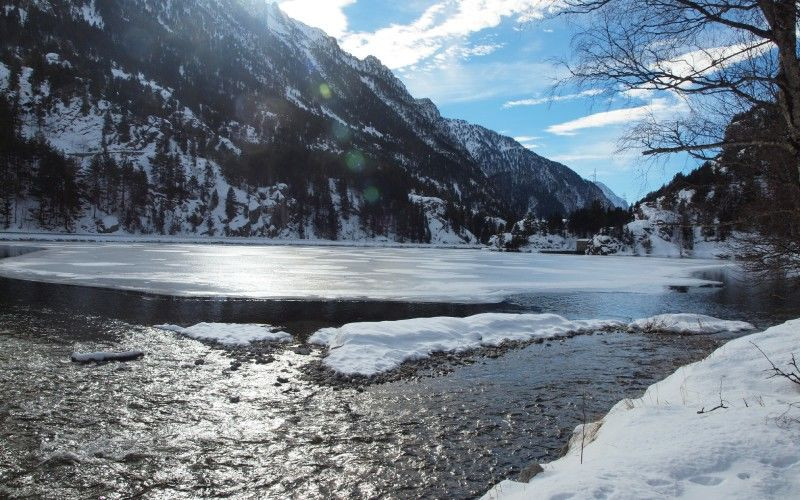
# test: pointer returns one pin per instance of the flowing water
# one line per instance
(188, 420)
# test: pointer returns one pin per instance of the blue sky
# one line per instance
(491, 62)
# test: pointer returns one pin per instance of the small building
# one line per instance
(581, 246)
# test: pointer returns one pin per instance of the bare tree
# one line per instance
(718, 57)
(715, 61)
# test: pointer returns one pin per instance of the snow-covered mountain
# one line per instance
(226, 117)
(526, 181)
(618, 201)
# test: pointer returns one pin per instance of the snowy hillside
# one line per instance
(239, 121)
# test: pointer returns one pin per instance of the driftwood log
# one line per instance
(106, 357)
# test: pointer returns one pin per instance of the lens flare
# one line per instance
(325, 91)
(355, 161)
(341, 132)
(371, 194)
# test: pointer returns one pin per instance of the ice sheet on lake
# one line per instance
(688, 324)
(229, 333)
(374, 347)
(412, 274)
(670, 444)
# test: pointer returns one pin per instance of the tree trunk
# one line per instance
(782, 18)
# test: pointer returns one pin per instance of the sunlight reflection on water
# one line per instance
(345, 273)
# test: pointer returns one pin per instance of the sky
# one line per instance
(493, 62)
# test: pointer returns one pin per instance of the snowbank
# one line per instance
(688, 324)
(670, 443)
(103, 357)
(372, 348)
(229, 333)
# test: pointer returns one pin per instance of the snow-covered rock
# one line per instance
(230, 333)
(602, 244)
(719, 428)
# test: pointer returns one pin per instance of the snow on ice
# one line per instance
(376, 347)
(372, 348)
(304, 272)
(669, 443)
(688, 324)
(229, 333)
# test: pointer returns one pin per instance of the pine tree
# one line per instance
(94, 188)
(230, 204)
(214, 200)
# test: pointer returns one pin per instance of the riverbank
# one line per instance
(718, 428)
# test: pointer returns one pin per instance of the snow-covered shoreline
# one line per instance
(718, 428)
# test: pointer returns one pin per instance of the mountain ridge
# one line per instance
(235, 101)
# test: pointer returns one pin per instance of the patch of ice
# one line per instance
(230, 333)
(671, 444)
(372, 348)
(688, 324)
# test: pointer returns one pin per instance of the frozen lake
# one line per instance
(397, 274)
(192, 419)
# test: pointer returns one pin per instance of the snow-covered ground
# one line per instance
(375, 347)
(676, 440)
(230, 334)
(271, 272)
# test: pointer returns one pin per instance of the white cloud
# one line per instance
(456, 82)
(585, 156)
(446, 23)
(526, 138)
(656, 107)
(706, 61)
(557, 98)
(328, 15)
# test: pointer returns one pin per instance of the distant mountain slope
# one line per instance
(612, 196)
(525, 180)
(227, 117)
